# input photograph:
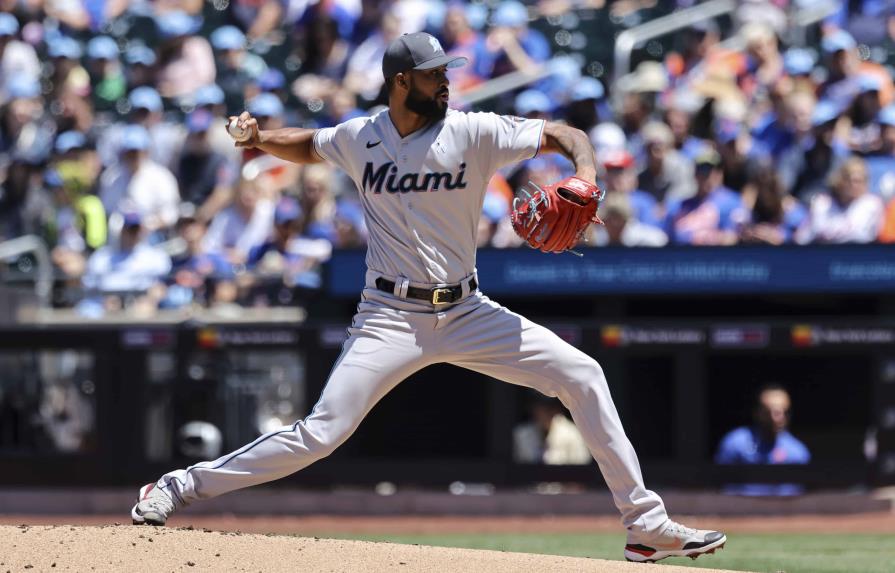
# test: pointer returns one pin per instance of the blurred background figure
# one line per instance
(129, 268)
(241, 226)
(139, 181)
(621, 227)
(207, 178)
(713, 215)
(666, 174)
(766, 441)
(549, 437)
(848, 212)
(774, 215)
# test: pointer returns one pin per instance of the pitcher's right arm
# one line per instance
(293, 144)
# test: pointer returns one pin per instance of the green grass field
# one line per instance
(791, 553)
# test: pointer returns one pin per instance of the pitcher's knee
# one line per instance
(585, 376)
(321, 439)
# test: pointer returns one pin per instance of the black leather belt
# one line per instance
(436, 295)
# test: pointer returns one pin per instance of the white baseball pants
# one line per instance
(391, 338)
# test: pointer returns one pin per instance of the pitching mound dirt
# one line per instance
(133, 549)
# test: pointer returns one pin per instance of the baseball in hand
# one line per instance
(238, 133)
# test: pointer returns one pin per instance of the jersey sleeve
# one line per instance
(505, 139)
(336, 145)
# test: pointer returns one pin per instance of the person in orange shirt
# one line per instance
(887, 232)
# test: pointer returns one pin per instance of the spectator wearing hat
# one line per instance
(186, 61)
(713, 215)
(22, 113)
(76, 162)
(881, 163)
(146, 110)
(666, 174)
(621, 178)
(774, 215)
(129, 265)
(268, 109)
(68, 76)
(864, 133)
(607, 137)
(351, 227)
(511, 45)
(533, 103)
(621, 227)
(585, 98)
(195, 272)
(136, 180)
(207, 178)
(75, 225)
(106, 73)
(287, 215)
(845, 68)
(243, 225)
(211, 98)
(848, 212)
(543, 169)
(270, 80)
(236, 67)
(17, 58)
(277, 174)
(806, 166)
(798, 64)
(141, 65)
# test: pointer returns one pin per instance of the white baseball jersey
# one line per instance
(422, 194)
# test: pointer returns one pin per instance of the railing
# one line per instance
(629, 39)
(43, 283)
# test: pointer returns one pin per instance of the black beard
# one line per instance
(426, 107)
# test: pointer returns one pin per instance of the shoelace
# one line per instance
(160, 501)
(678, 528)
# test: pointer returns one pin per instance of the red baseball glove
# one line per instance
(554, 218)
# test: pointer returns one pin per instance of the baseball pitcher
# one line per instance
(421, 170)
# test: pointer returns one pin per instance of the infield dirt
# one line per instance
(134, 549)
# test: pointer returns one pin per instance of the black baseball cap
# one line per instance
(417, 51)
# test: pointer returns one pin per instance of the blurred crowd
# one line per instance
(113, 150)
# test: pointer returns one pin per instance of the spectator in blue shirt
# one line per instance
(775, 215)
(511, 45)
(713, 215)
(881, 164)
(621, 177)
(767, 441)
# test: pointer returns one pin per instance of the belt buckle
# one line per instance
(441, 293)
